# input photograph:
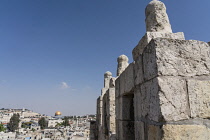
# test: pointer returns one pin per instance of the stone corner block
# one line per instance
(185, 132)
(171, 57)
(152, 35)
(164, 99)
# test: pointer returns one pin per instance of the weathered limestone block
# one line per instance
(173, 98)
(138, 50)
(154, 132)
(103, 91)
(111, 110)
(170, 57)
(185, 132)
(156, 17)
(122, 84)
(111, 94)
(199, 98)
(164, 99)
(112, 137)
(122, 64)
(138, 104)
(138, 71)
(117, 107)
(127, 80)
(149, 95)
(139, 130)
(126, 130)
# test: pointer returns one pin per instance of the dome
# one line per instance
(57, 113)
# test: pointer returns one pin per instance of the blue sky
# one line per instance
(53, 53)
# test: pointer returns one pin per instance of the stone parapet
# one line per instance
(171, 88)
(165, 93)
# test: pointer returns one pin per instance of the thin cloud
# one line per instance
(64, 85)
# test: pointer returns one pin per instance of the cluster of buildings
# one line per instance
(78, 128)
(164, 94)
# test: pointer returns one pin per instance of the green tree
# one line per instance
(33, 130)
(26, 124)
(2, 128)
(65, 121)
(13, 123)
(58, 124)
(43, 123)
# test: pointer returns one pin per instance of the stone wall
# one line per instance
(105, 121)
(164, 94)
(171, 91)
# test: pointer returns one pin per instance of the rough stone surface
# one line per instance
(154, 132)
(138, 50)
(139, 130)
(111, 110)
(122, 64)
(127, 80)
(138, 70)
(163, 99)
(185, 132)
(156, 17)
(209, 43)
(199, 98)
(173, 98)
(171, 57)
(103, 91)
(137, 104)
